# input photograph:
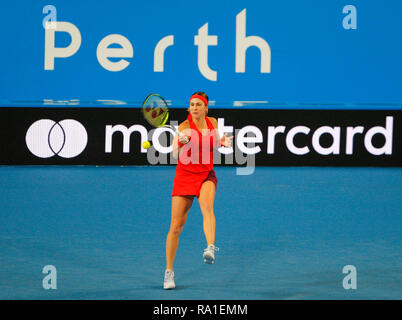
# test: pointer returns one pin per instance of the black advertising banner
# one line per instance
(114, 136)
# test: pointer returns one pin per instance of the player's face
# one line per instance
(197, 108)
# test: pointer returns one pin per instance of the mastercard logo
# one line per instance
(46, 138)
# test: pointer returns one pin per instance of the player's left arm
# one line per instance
(219, 142)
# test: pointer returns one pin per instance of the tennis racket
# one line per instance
(156, 112)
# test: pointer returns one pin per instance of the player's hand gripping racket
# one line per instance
(156, 113)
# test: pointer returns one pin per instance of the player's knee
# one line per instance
(206, 208)
(176, 229)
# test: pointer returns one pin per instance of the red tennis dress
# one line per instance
(195, 164)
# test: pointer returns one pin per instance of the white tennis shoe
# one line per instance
(168, 282)
(209, 254)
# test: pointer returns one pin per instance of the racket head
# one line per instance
(155, 110)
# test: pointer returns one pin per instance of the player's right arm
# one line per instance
(185, 129)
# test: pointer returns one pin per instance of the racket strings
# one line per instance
(155, 111)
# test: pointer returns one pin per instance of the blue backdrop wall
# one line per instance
(333, 51)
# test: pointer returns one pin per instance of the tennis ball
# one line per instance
(146, 144)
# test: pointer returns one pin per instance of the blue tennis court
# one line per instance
(283, 233)
(310, 92)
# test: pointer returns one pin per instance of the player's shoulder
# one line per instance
(213, 121)
(184, 125)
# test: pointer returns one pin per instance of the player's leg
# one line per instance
(206, 201)
(180, 208)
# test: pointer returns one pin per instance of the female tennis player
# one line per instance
(194, 177)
